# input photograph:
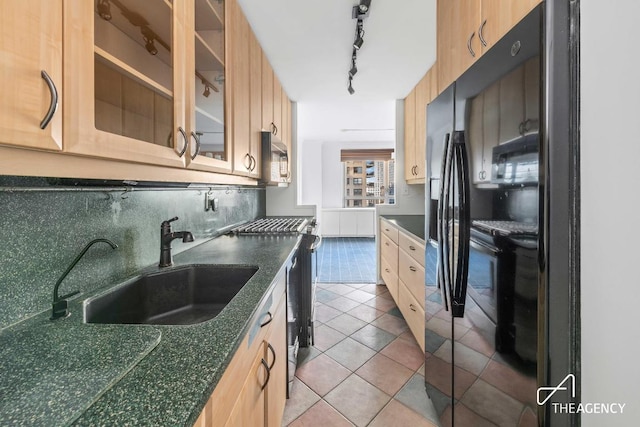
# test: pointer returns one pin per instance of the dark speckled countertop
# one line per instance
(171, 384)
(414, 224)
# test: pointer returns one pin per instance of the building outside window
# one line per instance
(369, 182)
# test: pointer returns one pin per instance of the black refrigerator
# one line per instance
(482, 219)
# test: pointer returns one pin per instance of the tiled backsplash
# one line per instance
(45, 227)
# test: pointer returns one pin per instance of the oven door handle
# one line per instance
(484, 248)
(316, 243)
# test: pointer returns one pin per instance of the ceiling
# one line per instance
(309, 45)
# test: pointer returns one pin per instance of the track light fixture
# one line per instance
(358, 12)
(149, 38)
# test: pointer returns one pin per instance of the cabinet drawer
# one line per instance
(389, 251)
(412, 274)
(412, 312)
(390, 230)
(412, 246)
(390, 278)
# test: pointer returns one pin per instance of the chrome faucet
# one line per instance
(60, 303)
(166, 237)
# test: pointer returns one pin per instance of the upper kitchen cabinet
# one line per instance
(468, 28)
(125, 75)
(255, 109)
(416, 127)
(458, 46)
(31, 74)
(208, 86)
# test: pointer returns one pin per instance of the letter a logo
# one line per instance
(553, 390)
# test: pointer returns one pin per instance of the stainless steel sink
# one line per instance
(179, 296)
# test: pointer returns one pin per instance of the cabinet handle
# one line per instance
(53, 104)
(412, 247)
(412, 268)
(268, 321)
(186, 141)
(274, 355)
(254, 163)
(469, 44)
(387, 270)
(386, 243)
(386, 229)
(482, 175)
(274, 128)
(412, 307)
(197, 139)
(264, 363)
(247, 157)
(480, 35)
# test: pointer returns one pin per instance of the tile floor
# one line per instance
(365, 368)
(347, 260)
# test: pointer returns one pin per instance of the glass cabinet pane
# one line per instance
(210, 78)
(134, 69)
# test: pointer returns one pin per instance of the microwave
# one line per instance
(275, 161)
(516, 162)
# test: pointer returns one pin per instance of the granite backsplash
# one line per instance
(46, 223)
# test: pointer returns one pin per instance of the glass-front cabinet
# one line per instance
(144, 81)
(208, 149)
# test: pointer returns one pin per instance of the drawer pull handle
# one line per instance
(274, 355)
(268, 320)
(473, 54)
(387, 270)
(386, 229)
(412, 268)
(386, 243)
(412, 307)
(413, 248)
(264, 363)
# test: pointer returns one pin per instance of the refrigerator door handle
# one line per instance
(464, 221)
(441, 281)
(445, 223)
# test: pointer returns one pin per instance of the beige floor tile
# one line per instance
(357, 400)
(395, 414)
(321, 415)
(322, 374)
(384, 373)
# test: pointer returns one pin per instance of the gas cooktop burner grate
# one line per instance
(506, 228)
(272, 226)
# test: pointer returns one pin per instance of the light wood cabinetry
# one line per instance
(255, 100)
(267, 95)
(30, 46)
(416, 127)
(252, 390)
(402, 269)
(468, 28)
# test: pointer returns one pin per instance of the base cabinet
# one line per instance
(402, 269)
(252, 391)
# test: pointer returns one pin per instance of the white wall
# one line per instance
(610, 152)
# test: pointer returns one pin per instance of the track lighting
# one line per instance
(149, 37)
(104, 9)
(206, 92)
(358, 12)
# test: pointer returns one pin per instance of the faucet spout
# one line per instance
(166, 237)
(60, 303)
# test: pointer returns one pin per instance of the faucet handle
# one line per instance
(175, 218)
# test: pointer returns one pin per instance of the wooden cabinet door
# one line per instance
(511, 105)
(31, 45)
(249, 409)
(206, 44)
(239, 77)
(255, 89)
(498, 17)
(276, 357)
(125, 84)
(490, 128)
(277, 104)
(458, 43)
(267, 94)
(420, 141)
(409, 135)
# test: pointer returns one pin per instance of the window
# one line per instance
(369, 182)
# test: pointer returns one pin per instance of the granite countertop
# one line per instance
(413, 224)
(162, 375)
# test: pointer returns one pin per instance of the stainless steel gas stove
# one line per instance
(301, 277)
